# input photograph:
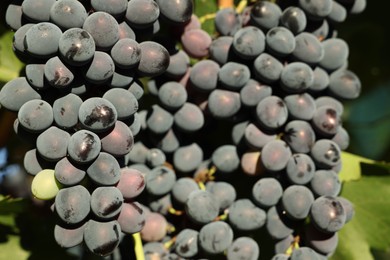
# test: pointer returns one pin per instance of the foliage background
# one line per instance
(27, 233)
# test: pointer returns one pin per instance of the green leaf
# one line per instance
(370, 227)
(12, 249)
(10, 205)
(205, 9)
(10, 65)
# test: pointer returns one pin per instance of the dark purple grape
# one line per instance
(280, 41)
(189, 118)
(178, 64)
(67, 173)
(36, 115)
(131, 183)
(132, 217)
(325, 153)
(142, 13)
(299, 135)
(160, 180)
(97, 114)
(196, 43)
(202, 206)
(154, 59)
(105, 170)
(266, 15)
(204, 75)
(227, 21)
(308, 48)
(256, 138)
(106, 202)
(126, 53)
(336, 53)
(224, 192)
(324, 243)
(296, 77)
(182, 189)
(13, 16)
(172, 95)
(68, 14)
(186, 243)
(104, 29)
(119, 141)
(325, 183)
(326, 121)
(249, 42)
(102, 238)
(294, 19)
(271, 112)
(277, 225)
(52, 143)
(245, 216)
(275, 155)
(155, 227)
(158, 120)
(73, 204)
(300, 106)
(345, 84)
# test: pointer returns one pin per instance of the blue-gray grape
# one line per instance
(158, 120)
(300, 136)
(196, 43)
(142, 13)
(102, 238)
(233, 75)
(266, 15)
(154, 59)
(202, 207)
(186, 243)
(278, 226)
(300, 106)
(325, 183)
(224, 192)
(204, 75)
(57, 74)
(189, 118)
(219, 49)
(297, 200)
(245, 216)
(215, 237)
(296, 77)
(160, 180)
(345, 84)
(37, 10)
(271, 112)
(224, 103)
(316, 9)
(116, 8)
(67, 236)
(225, 158)
(106, 202)
(36, 115)
(256, 138)
(52, 143)
(336, 53)
(35, 75)
(183, 10)
(187, 158)
(249, 42)
(244, 248)
(267, 68)
(42, 40)
(68, 173)
(183, 188)
(172, 95)
(132, 217)
(327, 214)
(308, 48)
(300, 169)
(101, 68)
(119, 141)
(227, 21)
(68, 14)
(280, 41)
(253, 92)
(325, 153)
(126, 53)
(178, 64)
(275, 155)
(105, 170)
(266, 192)
(294, 19)
(124, 102)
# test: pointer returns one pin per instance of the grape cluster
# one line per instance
(239, 133)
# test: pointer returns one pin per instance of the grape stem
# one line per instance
(139, 251)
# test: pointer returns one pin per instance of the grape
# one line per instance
(336, 53)
(196, 43)
(265, 14)
(327, 214)
(338, 13)
(155, 249)
(345, 84)
(57, 74)
(18, 39)
(137, 89)
(142, 13)
(106, 202)
(249, 42)
(224, 192)
(125, 31)
(322, 32)
(204, 75)
(131, 183)
(245, 216)
(178, 64)
(308, 48)
(132, 217)
(202, 206)
(326, 121)
(104, 29)
(37, 10)
(102, 238)
(105, 170)
(325, 183)
(266, 192)
(126, 53)
(13, 16)
(67, 173)
(256, 138)
(35, 75)
(116, 8)
(16, 92)
(172, 95)
(224, 103)
(341, 138)
(296, 77)
(186, 243)
(244, 248)
(189, 118)
(187, 158)
(119, 141)
(68, 237)
(52, 143)
(155, 227)
(300, 136)
(183, 10)
(73, 204)
(275, 155)
(253, 92)
(158, 120)
(68, 14)
(316, 9)
(348, 208)
(325, 153)
(358, 6)
(225, 158)
(324, 243)
(121, 79)
(155, 157)
(283, 245)
(304, 253)
(97, 114)
(154, 59)
(160, 180)
(35, 115)
(330, 101)
(294, 19)
(33, 162)
(215, 237)
(271, 112)
(301, 106)
(124, 102)
(300, 169)
(138, 153)
(321, 79)
(280, 257)
(183, 188)
(267, 69)
(277, 224)
(280, 41)
(297, 201)
(65, 111)
(42, 40)
(227, 21)
(101, 69)
(135, 124)
(76, 46)
(233, 75)
(219, 49)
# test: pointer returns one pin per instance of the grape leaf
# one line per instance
(370, 227)
(12, 249)
(205, 9)
(10, 65)
(10, 205)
